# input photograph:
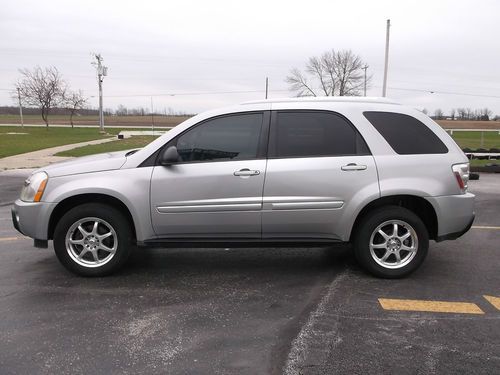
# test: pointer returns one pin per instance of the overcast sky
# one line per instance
(164, 47)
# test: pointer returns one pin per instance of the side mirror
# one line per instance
(169, 156)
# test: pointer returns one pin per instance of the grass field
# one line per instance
(482, 163)
(32, 139)
(35, 138)
(140, 121)
(473, 139)
(118, 145)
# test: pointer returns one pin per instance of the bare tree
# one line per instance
(469, 113)
(332, 73)
(461, 113)
(452, 114)
(485, 114)
(348, 72)
(42, 88)
(316, 68)
(438, 114)
(74, 101)
(121, 110)
(298, 83)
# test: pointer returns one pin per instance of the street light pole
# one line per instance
(384, 88)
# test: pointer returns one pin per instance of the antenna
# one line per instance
(384, 87)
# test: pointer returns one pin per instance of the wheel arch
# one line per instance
(76, 200)
(418, 205)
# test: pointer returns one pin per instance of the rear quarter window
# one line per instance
(405, 134)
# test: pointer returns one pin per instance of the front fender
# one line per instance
(130, 186)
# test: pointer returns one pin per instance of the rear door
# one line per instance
(318, 163)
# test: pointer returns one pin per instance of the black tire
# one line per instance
(109, 219)
(418, 239)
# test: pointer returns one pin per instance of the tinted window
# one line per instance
(309, 133)
(406, 134)
(232, 137)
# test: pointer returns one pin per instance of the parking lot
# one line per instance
(254, 311)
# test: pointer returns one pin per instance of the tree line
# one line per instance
(144, 111)
(469, 114)
(87, 111)
(13, 110)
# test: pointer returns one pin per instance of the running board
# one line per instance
(237, 242)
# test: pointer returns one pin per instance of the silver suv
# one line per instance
(305, 172)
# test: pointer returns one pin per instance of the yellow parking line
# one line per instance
(9, 239)
(495, 301)
(484, 227)
(430, 306)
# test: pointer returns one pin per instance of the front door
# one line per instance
(215, 190)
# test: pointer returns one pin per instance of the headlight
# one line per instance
(34, 187)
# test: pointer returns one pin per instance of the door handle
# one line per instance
(245, 172)
(353, 167)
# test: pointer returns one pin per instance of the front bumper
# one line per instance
(455, 214)
(15, 220)
(32, 219)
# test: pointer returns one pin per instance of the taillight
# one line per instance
(461, 172)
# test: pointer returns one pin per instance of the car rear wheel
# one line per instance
(92, 240)
(391, 242)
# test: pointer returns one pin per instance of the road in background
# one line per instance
(250, 311)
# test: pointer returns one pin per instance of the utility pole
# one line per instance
(267, 86)
(102, 71)
(384, 88)
(20, 107)
(364, 68)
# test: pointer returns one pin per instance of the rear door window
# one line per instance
(405, 134)
(296, 134)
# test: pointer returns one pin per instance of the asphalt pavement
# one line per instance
(252, 311)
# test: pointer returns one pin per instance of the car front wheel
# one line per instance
(92, 240)
(391, 242)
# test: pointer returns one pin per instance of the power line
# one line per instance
(191, 93)
(428, 91)
(443, 92)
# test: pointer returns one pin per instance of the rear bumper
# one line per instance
(455, 215)
(454, 236)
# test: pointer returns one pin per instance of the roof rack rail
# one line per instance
(333, 99)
